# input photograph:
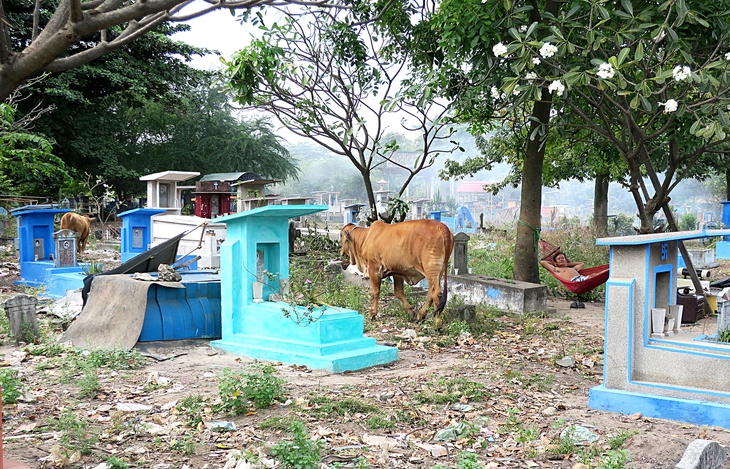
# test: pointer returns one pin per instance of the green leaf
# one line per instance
(622, 55)
(626, 4)
(639, 52)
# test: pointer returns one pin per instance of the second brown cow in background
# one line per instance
(80, 224)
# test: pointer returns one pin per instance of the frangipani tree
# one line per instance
(650, 78)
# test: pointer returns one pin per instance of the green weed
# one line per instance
(115, 463)
(46, 349)
(723, 335)
(11, 386)
(451, 390)
(74, 432)
(616, 442)
(300, 452)
(379, 422)
(89, 382)
(260, 387)
(278, 423)
(192, 407)
(184, 445)
(615, 459)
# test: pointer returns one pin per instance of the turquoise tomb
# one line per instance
(256, 244)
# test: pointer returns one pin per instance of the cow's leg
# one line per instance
(375, 281)
(400, 293)
(433, 297)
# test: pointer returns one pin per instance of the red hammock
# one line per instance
(548, 253)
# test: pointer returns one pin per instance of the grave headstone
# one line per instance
(21, 313)
(65, 241)
(703, 454)
(461, 243)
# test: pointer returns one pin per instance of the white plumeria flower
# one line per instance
(499, 50)
(606, 71)
(727, 56)
(523, 28)
(681, 73)
(495, 93)
(516, 92)
(536, 60)
(548, 50)
(670, 106)
(531, 76)
(556, 86)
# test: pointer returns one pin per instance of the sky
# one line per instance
(219, 31)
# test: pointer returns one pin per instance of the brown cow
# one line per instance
(79, 224)
(409, 251)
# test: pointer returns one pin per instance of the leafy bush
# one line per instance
(301, 452)
(260, 387)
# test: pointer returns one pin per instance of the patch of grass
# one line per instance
(617, 441)
(451, 390)
(53, 349)
(260, 386)
(192, 408)
(11, 386)
(89, 383)
(347, 295)
(184, 445)
(723, 335)
(278, 423)
(75, 435)
(300, 451)
(326, 406)
(379, 422)
(115, 463)
(75, 360)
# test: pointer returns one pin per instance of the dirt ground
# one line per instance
(515, 387)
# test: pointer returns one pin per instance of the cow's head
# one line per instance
(346, 240)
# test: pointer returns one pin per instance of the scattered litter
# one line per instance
(132, 407)
(462, 407)
(409, 334)
(386, 444)
(220, 425)
(59, 457)
(154, 378)
(579, 435)
(436, 451)
(566, 362)
(451, 433)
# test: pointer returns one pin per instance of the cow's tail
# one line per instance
(448, 247)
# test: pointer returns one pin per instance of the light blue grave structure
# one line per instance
(257, 241)
(39, 266)
(136, 234)
(649, 366)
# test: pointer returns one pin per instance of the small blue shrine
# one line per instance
(136, 235)
(47, 258)
(257, 242)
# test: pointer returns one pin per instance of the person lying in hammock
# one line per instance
(564, 269)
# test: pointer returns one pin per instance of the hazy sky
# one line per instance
(219, 31)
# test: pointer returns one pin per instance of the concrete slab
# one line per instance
(506, 295)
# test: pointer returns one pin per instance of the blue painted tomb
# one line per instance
(257, 242)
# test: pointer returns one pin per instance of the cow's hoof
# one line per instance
(437, 323)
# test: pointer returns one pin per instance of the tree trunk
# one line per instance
(528, 226)
(727, 184)
(600, 205)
